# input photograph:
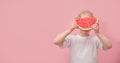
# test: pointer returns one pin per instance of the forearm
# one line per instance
(60, 38)
(106, 42)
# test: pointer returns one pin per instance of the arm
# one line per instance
(61, 37)
(105, 41)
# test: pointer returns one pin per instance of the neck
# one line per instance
(84, 33)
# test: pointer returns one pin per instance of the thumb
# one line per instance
(97, 21)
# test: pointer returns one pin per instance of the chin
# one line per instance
(85, 30)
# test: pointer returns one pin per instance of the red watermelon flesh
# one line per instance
(86, 23)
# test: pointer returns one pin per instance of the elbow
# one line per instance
(55, 42)
(109, 46)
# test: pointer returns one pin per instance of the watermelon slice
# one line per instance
(86, 23)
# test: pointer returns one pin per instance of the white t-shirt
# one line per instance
(82, 49)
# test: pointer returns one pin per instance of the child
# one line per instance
(83, 47)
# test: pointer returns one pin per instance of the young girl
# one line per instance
(83, 47)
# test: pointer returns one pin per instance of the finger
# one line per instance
(77, 26)
(94, 26)
(98, 21)
(74, 21)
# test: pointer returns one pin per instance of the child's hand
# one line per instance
(96, 27)
(74, 25)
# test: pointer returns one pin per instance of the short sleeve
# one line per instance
(99, 43)
(67, 42)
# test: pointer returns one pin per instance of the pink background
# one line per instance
(28, 27)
